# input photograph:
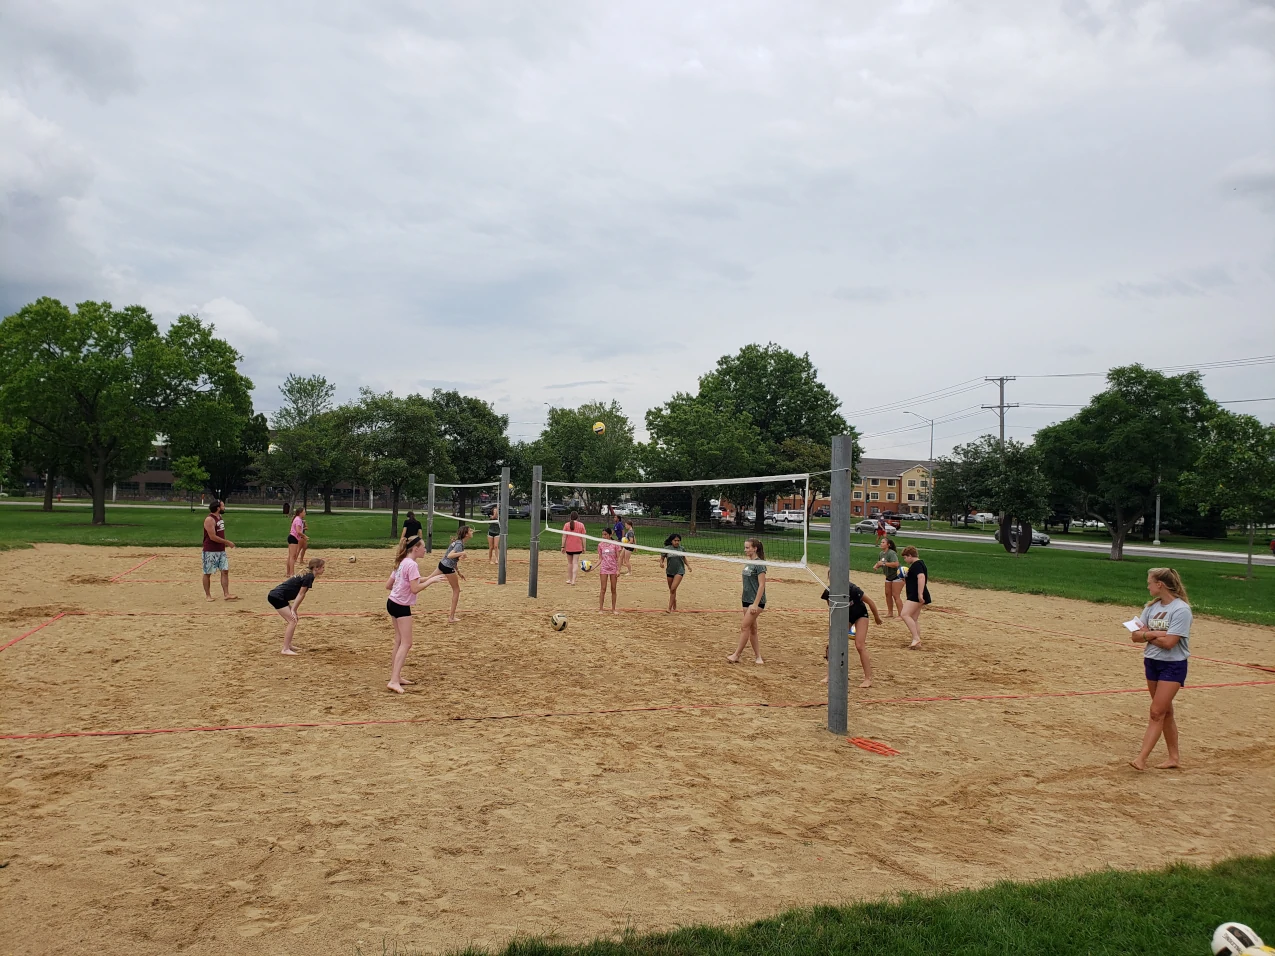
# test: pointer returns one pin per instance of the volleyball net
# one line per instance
(713, 519)
(476, 504)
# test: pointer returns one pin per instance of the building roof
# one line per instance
(888, 467)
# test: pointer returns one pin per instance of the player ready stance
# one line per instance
(860, 604)
(918, 594)
(888, 564)
(754, 598)
(215, 545)
(404, 584)
(1166, 632)
(449, 568)
(294, 589)
(675, 568)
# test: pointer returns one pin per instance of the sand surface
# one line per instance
(443, 832)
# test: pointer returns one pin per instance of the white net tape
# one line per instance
(703, 540)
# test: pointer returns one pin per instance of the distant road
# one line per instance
(1261, 555)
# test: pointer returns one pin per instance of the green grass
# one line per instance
(1236, 541)
(1169, 912)
(1217, 589)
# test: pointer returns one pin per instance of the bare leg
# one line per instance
(292, 558)
(454, 581)
(911, 617)
(614, 578)
(1162, 694)
(861, 645)
(225, 587)
(290, 616)
(898, 596)
(754, 639)
(402, 644)
(572, 567)
(889, 599)
(602, 591)
(1170, 741)
(208, 586)
(743, 638)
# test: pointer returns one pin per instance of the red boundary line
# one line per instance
(320, 725)
(131, 570)
(40, 627)
(1107, 640)
(1060, 693)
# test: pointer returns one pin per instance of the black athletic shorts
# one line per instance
(858, 611)
(275, 603)
(444, 569)
(750, 604)
(398, 610)
(292, 539)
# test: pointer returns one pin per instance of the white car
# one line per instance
(796, 516)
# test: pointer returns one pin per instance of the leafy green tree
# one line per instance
(305, 398)
(403, 443)
(98, 384)
(476, 441)
(1017, 490)
(1235, 472)
(1136, 437)
(570, 451)
(782, 396)
(308, 448)
(696, 441)
(955, 485)
(230, 463)
(189, 477)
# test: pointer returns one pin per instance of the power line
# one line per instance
(934, 396)
(1198, 367)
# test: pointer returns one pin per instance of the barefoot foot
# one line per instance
(404, 680)
(1169, 764)
(289, 651)
(730, 659)
(1138, 764)
(866, 684)
(758, 660)
(397, 688)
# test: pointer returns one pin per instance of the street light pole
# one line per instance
(929, 487)
(1157, 511)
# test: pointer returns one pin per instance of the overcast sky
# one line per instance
(567, 201)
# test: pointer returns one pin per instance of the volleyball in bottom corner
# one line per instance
(559, 621)
(586, 564)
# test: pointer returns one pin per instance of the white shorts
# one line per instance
(216, 561)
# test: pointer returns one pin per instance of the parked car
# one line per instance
(870, 525)
(797, 516)
(821, 513)
(520, 511)
(1038, 537)
(557, 509)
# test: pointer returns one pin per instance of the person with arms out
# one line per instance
(918, 594)
(675, 568)
(404, 584)
(493, 536)
(573, 545)
(889, 565)
(1166, 631)
(449, 568)
(297, 540)
(215, 545)
(754, 599)
(860, 604)
(295, 588)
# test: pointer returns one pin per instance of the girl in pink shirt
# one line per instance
(573, 545)
(608, 568)
(297, 540)
(404, 583)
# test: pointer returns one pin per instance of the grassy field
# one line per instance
(1236, 541)
(1218, 589)
(1163, 912)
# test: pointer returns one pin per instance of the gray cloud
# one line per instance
(519, 198)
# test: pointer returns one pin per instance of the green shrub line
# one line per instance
(1166, 912)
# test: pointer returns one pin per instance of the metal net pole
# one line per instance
(504, 524)
(839, 586)
(533, 570)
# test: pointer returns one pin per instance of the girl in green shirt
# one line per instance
(675, 567)
(754, 600)
(889, 566)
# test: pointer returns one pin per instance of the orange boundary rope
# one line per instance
(131, 570)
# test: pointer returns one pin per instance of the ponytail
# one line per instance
(404, 547)
(314, 564)
(1171, 580)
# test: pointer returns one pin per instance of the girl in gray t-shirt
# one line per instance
(1166, 632)
(449, 568)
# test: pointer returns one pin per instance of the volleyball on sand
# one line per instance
(559, 621)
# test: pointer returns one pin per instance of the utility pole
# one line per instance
(1000, 407)
(929, 489)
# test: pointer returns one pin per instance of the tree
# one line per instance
(695, 441)
(782, 396)
(1235, 472)
(189, 477)
(571, 452)
(1137, 436)
(403, 444)
(306, 451)
(305, 398)
(230, 463)
(1017, 490)
(476, 441)
(955, 484)
(98, 384)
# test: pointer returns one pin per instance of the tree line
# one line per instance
(84, 392)
(1145, 435)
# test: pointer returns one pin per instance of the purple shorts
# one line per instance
(1165, 670)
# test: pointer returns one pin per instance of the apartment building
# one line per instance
(901, 485)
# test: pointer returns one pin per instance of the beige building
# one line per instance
(900, 485)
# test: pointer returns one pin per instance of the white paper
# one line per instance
(1134, 625)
